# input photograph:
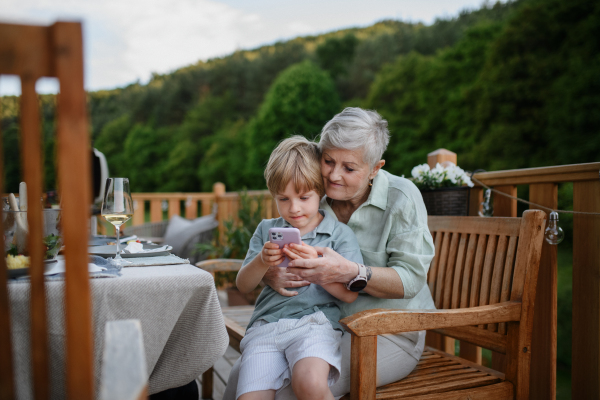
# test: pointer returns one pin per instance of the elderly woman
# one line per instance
(389, 219)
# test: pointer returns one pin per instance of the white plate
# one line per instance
(111, 250)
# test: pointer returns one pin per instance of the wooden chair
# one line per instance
(55, 51)
(483, 280)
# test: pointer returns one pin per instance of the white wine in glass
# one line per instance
(117, 207)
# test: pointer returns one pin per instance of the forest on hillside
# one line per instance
(509, 85)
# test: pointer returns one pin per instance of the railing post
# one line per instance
(440, 156)
(219, 191)
(586, 291)
(543, 341)
(138, 210)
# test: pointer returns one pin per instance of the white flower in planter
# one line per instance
(440, 176)
(419, 170)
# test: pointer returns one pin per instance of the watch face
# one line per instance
(358, 285)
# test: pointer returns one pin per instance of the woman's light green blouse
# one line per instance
(391, 228)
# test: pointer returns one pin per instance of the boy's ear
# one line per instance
(376, 168)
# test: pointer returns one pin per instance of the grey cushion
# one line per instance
(180, 230)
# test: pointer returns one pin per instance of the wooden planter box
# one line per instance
(447, 201)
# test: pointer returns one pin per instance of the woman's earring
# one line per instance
(371, 182)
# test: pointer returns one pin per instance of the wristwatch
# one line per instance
(360, 282)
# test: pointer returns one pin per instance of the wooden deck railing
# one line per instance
(543, 190)
(161, 205)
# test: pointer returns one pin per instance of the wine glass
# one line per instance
(117, 208)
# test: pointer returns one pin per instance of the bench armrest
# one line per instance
(382, 321)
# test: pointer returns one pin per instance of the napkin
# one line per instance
(59, 268)
(135, 247)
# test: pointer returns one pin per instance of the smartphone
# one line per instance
(282, 236)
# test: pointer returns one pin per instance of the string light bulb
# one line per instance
(487, 210)
(554, 234)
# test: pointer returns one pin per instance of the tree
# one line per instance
(226, 157)
(111, 142)
(189, 146)
(300, 101)
(146, 149)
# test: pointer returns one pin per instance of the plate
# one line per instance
(104, 240)
(111, 250)
(16, 273)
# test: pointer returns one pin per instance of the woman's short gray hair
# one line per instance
(355, 128)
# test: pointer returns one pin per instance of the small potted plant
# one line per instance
(445, 188)
(234, 244)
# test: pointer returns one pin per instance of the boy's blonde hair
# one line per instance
(295, 159)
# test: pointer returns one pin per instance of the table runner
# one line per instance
(182, 324)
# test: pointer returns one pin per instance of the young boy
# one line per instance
(294, 339)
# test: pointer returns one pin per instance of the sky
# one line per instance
(127, 40)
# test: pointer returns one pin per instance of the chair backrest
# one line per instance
(33, 52)
(482, 261)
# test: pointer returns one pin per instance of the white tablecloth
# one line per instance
(182, 324)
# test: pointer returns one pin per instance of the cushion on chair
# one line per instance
(180, 230)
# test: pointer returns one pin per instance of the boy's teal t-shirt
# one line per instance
(270, 305)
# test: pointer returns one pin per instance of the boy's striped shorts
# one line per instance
(270, 351)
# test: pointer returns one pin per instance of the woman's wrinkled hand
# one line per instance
(329, 268)
(280, 280)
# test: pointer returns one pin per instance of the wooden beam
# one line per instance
(31, 153)
(543, 342)
(74, 177)
(562, 173)
(25, 51)
(7, 384)
(586, 292)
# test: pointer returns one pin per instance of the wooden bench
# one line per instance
(483, 280)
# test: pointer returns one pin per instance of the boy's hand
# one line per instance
(271, 254)
(295, 251)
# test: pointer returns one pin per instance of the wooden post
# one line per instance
(505, 206)
(543, 340)
(7, 385)
(363, 373)
(32, 170)
(75, 187)
(156, 212)
(174, 207)
(138, 211)
(218, 191)
(586, 291)
(191, 208)
(440, 156)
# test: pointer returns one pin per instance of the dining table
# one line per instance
(182, 324)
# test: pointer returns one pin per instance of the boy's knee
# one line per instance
(309, 382)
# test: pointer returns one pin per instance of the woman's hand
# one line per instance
(329, 268)
(295, 251)
(279, 279)
(271, 255)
